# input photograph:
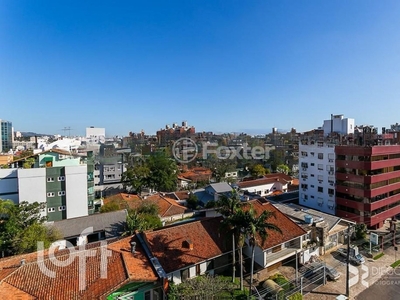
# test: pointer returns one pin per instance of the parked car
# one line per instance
(355, 257)
(313, 269)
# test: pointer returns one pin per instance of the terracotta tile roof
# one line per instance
(290, 229)
(137, 265)
(178, 195)
(166, 206)
(197, 174)
(123, 200)
(29, 280)
(167, 244)
(7, 291)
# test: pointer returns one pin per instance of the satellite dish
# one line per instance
(102, 139)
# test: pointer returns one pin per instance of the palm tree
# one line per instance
(257, 233)
(228, 206)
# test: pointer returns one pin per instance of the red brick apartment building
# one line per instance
(368, 183)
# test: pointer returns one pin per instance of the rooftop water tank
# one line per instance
(308, 219)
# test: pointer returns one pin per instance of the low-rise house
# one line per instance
(212, 192)
(109, 271)
(325, 232)
(278, 246)
(168, 209)
(266, 185)
(191, 249)
(83, 230)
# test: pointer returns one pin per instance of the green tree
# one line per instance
(282, 168)
(26, 240)
(110, 206)
(157, 172)
(227, 206)
(148, 208)
(258, 170)
(29, 162)
(202, 287)
(257, 232)
(192, 202)
(21, 226)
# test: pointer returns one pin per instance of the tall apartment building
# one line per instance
(368, 183)
(62, 182)
(95, 135)
(164, 136)
(6, 132)
(338, 124)
(317, 175)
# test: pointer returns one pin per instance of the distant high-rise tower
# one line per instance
(6, 136)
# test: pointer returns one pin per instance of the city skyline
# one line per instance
(221, 66)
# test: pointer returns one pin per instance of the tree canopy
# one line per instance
(157, 172)
(21, 227)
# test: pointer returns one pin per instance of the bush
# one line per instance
(378, 256)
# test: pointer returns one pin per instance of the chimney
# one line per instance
(133, 247)
(187, 244)
(22, 262)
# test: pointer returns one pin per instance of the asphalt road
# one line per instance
(388, 288)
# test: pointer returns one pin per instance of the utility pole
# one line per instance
(347, 262)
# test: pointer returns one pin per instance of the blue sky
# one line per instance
(223, 66)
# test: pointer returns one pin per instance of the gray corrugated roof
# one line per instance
(112, 223)
(221, 187)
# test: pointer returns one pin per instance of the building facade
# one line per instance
(62, 182)
(368, 183)
(6, 136)
(317, 175)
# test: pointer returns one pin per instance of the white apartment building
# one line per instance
(338, 124)
(95, 135)
(317, 175)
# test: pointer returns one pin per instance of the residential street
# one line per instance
(370, 281)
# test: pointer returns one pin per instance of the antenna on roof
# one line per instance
(67, 129)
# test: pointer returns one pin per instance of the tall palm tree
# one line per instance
(228, 206)
(257, 233)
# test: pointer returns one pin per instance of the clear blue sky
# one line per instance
(223, 66)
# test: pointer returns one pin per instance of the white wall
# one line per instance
(32, 185)
(340, 125)
(76, 191)
(266, 189)
(315, 178)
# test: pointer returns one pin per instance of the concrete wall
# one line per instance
(76, 191)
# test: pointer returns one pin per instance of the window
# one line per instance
(304, 197)
(331, 191)
(50, 179)
(51, 194)
(51, 209)
(304, 186)
(61, 178)
(312, 164)
(61, 208)
(303, 153)
(61, 193)
(320, 201)
(320, 156)
(320, 167)
(312, 175)
(320, 189)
